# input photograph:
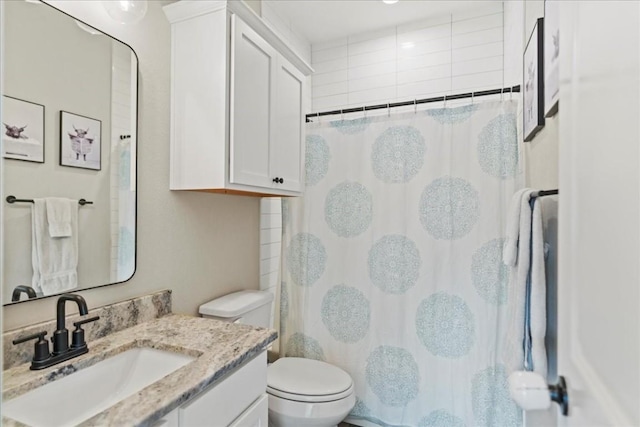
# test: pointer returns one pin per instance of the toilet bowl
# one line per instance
(308, 393)
(301, 392)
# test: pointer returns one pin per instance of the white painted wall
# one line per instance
(541, 154)
(447, 54)
(199, 245)
(541, 171)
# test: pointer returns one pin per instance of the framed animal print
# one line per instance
(551, 57)
(533, 97)
(23, 130)
(80, 141)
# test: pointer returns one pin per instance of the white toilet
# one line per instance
(302, 392)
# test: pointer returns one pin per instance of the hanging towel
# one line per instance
(518, 241)
(510, 251)
(59, 216)
(538, 295)
(54, 259)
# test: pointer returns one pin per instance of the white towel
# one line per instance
(59, 216)
(513, 350)
(510, 251)
(538, 299)
(54, 259)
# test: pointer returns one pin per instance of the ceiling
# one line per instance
(323, 20)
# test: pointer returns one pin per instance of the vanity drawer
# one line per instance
(225, 401)
(256, 416)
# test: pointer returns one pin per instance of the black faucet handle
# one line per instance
(77, 336)
(83, 321)
(37, 335)
(41, 347)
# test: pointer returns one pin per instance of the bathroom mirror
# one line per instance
(69, 113)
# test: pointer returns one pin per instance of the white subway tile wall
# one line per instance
(432, 57)
(270, 245)
(120, 125)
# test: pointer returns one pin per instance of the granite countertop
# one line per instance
(219, 348)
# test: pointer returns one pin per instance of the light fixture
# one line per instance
(126, 11)
(389, 1)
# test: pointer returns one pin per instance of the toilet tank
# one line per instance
(246, 307)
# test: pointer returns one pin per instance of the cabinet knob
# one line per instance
(278, 180)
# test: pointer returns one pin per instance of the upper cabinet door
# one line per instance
(253, 69)
(287, 149)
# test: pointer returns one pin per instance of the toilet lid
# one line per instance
(307, 380)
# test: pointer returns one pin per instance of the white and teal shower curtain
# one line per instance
(392, 263)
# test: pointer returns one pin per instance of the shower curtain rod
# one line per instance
(416, 101)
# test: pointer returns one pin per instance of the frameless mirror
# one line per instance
(69, 114)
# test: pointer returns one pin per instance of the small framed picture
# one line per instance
(80, 141)
(533, 97)
(23, 130)
(551, 57)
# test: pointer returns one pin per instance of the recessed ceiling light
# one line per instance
(389, 1)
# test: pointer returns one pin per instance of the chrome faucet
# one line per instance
(61, 349)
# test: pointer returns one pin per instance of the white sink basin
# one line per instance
(83, 394)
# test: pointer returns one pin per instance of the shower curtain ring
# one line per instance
(511, 94)
(415, 106)
(472, 95)
(445, 101)
(388, 111)
(364, 111)
(502, 95)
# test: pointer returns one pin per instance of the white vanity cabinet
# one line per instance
(239, 400)
(237, 109)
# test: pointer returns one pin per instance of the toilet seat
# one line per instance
(309, 398)
(306, 380)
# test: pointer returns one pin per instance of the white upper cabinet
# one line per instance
(253, 87)
(237, 110)
(286, 148)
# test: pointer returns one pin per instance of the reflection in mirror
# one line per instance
(69, 114)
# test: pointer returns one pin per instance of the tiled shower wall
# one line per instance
(270, 242)
(449, 54)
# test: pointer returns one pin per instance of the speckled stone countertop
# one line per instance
(219, 348)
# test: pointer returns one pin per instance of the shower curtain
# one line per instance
(392, 262)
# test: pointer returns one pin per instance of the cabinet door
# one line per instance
(256, 416)
(225, 401)
(253, 66)
(287, 149)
